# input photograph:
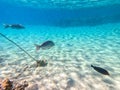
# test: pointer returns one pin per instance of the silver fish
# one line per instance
(45, 45)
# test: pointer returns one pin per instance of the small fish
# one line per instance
(45, 45)
(69, 45)
(100, 70)
(14, 26)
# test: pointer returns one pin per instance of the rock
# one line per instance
(20, 86)
(7, 84)
(32, 87)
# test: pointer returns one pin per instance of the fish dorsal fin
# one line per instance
(6, 25)
(92, 66)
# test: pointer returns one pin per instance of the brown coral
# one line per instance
(7, 84)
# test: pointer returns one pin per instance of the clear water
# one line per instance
(80, 40)
(70, 4)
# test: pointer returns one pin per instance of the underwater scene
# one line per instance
(59, 45)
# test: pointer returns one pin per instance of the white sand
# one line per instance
(68, 61)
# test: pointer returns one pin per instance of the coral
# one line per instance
(7, 84)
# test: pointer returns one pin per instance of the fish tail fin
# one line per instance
(108, 74)
(37, 47)
(6, 25)
(92, 66)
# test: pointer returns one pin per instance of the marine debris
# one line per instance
(100, 70)
(38, 62)
(41, 63)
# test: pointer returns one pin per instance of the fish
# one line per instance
(14, 26)
(100, 70)
(45, 45)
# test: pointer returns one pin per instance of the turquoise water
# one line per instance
(76, 48)
(85, 33)
(70, 4)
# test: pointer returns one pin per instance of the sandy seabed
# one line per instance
(69, 61)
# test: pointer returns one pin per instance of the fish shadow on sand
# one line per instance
(1, 60)
(116, 31)
(69, 45)
(108, 81)
(70, 83)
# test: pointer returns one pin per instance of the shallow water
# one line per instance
(70, 4)
(69, 61)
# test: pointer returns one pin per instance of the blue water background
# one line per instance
(13, 13)
(76, 48)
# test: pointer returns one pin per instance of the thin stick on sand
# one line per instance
(22, 50)
(38, 62)
(18, 46)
